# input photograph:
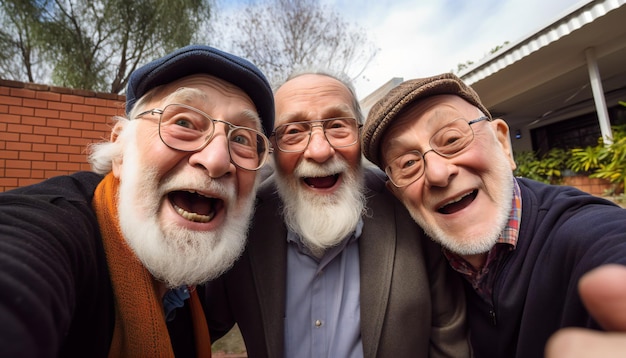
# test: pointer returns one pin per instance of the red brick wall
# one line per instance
(44, 130)
(595, 186)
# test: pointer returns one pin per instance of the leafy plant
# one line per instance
(584, 159)
(527, 166)
(548, 168)
(605, 160)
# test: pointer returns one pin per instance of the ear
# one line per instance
(504, 138)
(392, 188)
(117, 129)
(389, 185)
(116, 164)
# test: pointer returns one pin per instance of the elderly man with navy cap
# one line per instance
(106, 263)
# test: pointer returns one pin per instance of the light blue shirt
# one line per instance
(322, 317)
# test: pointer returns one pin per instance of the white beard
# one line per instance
(322, 221)
(173, 254)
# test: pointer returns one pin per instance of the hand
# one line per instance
(603, 291)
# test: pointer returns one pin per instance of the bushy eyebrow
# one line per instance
(249, 118)
(339, 110)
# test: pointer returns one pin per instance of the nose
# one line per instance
(318, 150)
(215, 157)
(438, 170)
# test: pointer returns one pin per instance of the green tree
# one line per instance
(283, 36)
(96, 44)
(18, 49)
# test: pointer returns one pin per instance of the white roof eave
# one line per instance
(583, 13)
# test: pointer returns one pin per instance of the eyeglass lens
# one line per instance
(185, 128)
(295, 137)
(447, 141)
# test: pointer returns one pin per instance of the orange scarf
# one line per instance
(140, 329)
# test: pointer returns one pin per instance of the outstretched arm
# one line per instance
(603, 291)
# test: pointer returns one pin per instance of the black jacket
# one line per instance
(55, 292)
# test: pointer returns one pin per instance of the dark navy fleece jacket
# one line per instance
(564, 233)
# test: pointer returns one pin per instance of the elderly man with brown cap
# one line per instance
(522, 246)
(107, 263)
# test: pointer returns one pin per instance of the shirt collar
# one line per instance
(511, 231)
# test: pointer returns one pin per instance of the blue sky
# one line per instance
(419, 38)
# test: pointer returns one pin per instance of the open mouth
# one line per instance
(193, 206)
(321, 182)
(459, 203)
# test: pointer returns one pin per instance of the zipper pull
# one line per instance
(492, 314)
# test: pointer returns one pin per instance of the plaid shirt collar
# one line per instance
(511, 230)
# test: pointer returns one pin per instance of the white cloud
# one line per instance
(423, 38)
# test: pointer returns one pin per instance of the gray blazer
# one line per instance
(412, 304)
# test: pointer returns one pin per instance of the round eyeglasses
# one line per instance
(448, 141)
(294, 137)
(188, 129)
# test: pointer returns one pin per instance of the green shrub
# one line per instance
(606, 161)
(548, 169)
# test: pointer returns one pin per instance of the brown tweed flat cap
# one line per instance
(408, 92)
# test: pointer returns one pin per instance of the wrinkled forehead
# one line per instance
(185, 95)
(312, 97)
(195, 87)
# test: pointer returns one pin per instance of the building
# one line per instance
(560, 86)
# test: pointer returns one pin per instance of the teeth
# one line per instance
(193, 216)
(197, 193)
(457, 199)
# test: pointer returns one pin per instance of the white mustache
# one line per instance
(311, 170)
(202, 184)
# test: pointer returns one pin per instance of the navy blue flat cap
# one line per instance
(195, 59)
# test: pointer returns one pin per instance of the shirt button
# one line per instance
(318, 323)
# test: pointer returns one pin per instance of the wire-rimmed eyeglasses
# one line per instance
(294, 137)
(188, 129)
(448, 141)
